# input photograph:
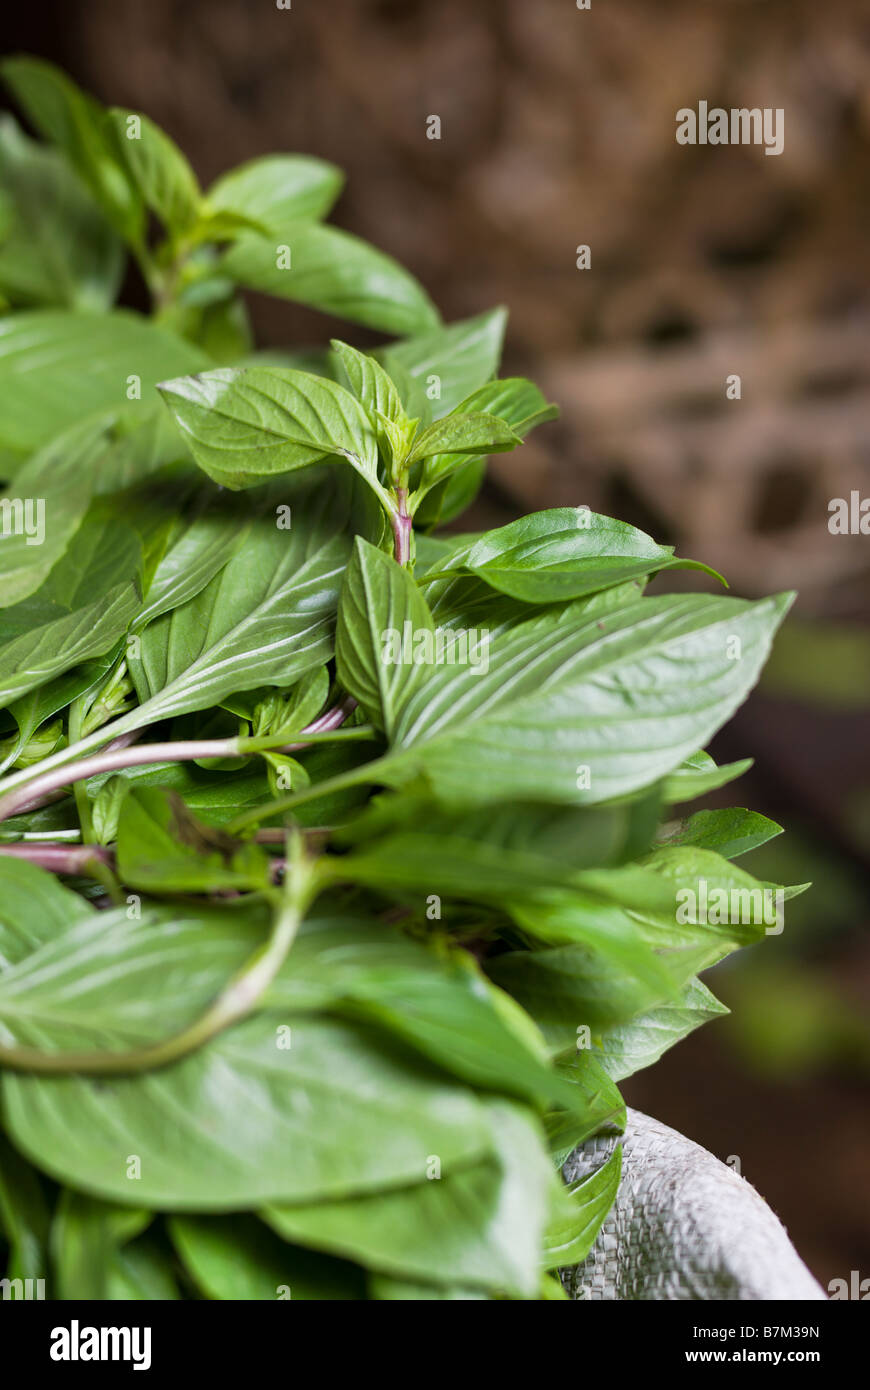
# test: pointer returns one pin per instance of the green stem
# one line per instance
(402, 525)
(236, 1000)
(113, 760)
(354, 777)
(126, 724)
(82, 800)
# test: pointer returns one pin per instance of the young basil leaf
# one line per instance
(335, 272)
(277, 711)
(277, 190)
(514, 400)
(443, 365)
(464, 434)
(162, 848)
(58, 250)
(157, 169)
(42, 745)
(106, 810)
(244, 426)
(368, 381)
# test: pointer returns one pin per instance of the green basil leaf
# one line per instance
(40, 704)
(368, 381)
(96, 456)
(533, 711)
(113, 979)
(443, 365)
(106, 810)
(200, 546)
(603, 1111)
(80, 611)
(465, 434)
(449, 497)
(563, 554)
(142, 1271)
(335, 272)
(481, 1226)
(266, 618)
(578, 1214)
(56, 249)
(278, 711)
(731, 833)
(34, 908)
(43, 389)
(157, 169)
(323, 1106)
(379, 605)
(24, 1218)
(716, 895)
(237, 1258)
(627, 1048)
(163, 849)
(87, 1236)
(441, 1006)
(76, 123)
(567, 988)
(698, 774)
(514, 400)
(463, 602)
(244, 426)
(502, 854)
(277, 190)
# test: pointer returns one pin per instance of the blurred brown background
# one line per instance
(558, 130)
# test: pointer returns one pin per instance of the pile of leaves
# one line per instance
(338, 868)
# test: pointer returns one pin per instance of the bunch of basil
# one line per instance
(337, 870)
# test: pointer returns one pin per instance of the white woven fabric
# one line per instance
(684, 1226)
